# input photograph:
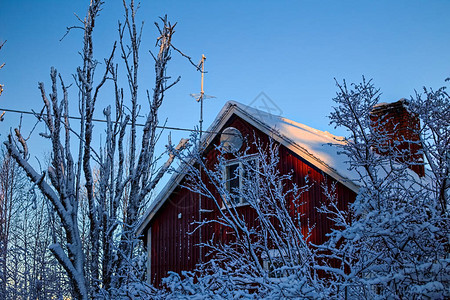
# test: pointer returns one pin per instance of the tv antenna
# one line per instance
(201, 96)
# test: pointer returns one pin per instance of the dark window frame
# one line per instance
(233, 182)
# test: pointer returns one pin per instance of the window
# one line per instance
(275, 263)
(236, 174)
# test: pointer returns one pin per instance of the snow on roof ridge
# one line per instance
(401, 101)
(315, 130)
(302, 126)
(381, 104)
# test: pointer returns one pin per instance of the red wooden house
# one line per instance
(303, 151)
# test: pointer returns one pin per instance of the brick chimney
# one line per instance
(402, 130)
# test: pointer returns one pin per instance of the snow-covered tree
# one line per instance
(27, 268)
(9, 193)
(393, 242)
(113, 182)
(32, 271)
(433, 109)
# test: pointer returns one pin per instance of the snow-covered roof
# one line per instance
(315, 146)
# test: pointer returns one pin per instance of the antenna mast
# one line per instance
(201, 96)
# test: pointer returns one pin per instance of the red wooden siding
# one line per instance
(174, 249)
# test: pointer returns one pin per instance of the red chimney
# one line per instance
(401, 127)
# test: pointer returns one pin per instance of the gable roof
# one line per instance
(315, 146)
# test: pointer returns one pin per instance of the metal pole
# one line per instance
(202, 92)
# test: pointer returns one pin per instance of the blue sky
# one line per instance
(290, 50)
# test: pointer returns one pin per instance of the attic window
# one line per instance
(236, 175)
(231, 139)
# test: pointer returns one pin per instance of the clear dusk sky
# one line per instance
(290, 50)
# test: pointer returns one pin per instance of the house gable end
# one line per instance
(228, 113)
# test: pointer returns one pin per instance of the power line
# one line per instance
(104, 121)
